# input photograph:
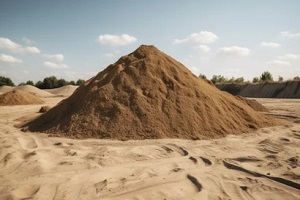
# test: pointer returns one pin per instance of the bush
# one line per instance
(6, 81)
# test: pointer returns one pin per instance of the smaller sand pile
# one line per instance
(255, 105)
(66, 90)
(5, 88)
(34, 90)
(17, 97)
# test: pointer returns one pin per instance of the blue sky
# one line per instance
(77, 39)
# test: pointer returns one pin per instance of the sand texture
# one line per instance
(18, 97)
(147, 94)
(34, 90)
(263, 164)
(5, 88)
(289, 89)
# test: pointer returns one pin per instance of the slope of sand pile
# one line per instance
(148, 94)
(17, 97)
(34, 90)
(5, 88)
(289, 89)
(255, 105)
(66, 90)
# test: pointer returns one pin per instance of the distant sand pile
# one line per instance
(34, 90)
(289, 89)
(5, 88)
(66, 90)
(17, 97)
(148, 94)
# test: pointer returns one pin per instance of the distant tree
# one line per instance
(202, 76)
(22, 83)
(280, 78)
(231, 80)
(6, 81)
(72, 83)
(218, 79)
(50, 82)
(266, 76)
(296, 78)
(29, 83)
(255, 80)
(61, 82)
(239, 80)
(80, 82)
(39, 84)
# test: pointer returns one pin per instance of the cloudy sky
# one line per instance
(77, 39)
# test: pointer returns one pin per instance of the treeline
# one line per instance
(48, 82)
(265, 77)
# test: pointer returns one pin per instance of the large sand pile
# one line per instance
(17, 97)
(66, 90)
(148, 94)
(289, 89)
(34, 90)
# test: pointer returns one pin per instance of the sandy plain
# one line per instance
(264, 164)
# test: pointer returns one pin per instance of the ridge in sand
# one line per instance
(148, 94)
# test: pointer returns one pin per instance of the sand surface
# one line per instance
(264, 164)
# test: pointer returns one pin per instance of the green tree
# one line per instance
(218, 79)
(61, 82)
(80, 82)
(72, 83)
(22, 83)
(29, 83)
(202, 76)
(255, 80)
(50, 82)
(6, 81)
(266, 76)
(280, 78)
(239, 80)
(39, 84)
(296, 78)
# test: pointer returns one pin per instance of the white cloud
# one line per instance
(278, 62)
(9, 59)
(6, 43)
(203, 48)
(116, 40)
(28, 41)
(289, 57)
(270, 44)
(289, 34)
(234, 51)
(55, 65)
(201, 37)
(54, 57)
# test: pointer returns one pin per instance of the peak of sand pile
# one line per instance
(17, 97)
(34, 90)
(66, 90)
(148, 94)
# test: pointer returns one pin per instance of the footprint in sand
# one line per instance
(27, 143)
(100, 186)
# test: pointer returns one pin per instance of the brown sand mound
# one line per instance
(34, 90)
(5, 88)
(289, 89)
(17, 97)
(148, 94)
(66, 90)
(253, 104)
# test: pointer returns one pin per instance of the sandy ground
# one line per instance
(264, 164)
